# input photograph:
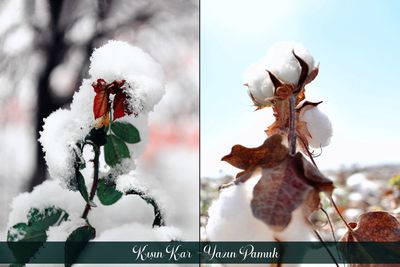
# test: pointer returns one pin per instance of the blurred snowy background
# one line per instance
(45, 47)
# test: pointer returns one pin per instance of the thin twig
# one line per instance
(292, 125)
(326, 247)
(309, 153)
(340, 214)
(330, 223)
(95, 180)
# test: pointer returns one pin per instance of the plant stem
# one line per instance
(292, 125)
(95, 180)
(326, 247)
(340, 214)
(158, 215)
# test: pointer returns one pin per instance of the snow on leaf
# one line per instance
(81, 185)
(107, 193)
(268, 155)
(285, 187)
(34, 231)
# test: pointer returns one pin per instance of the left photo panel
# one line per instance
(99, 121)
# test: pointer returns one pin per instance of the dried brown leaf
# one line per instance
(268, 155)
(376, 226)
(285, 187)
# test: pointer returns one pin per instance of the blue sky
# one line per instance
(358, 46)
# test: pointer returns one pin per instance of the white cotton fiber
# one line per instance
(231, 219)
(117, 60)
(259, 85)
(281, 62)
(319, 127)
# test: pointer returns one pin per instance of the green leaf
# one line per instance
(42, 220)
(76, 242)
(39, 222)
(82, 186)
(395, 181)
(79, 161)
(107, 193)
(97, 136)
(126, 131)
(115, 150)
(23, 232)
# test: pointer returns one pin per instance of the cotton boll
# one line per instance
(258, 83)
(231, 219)
(299, 229)
(360, 183)
(319, 126)
(231, 214)
(281, 61)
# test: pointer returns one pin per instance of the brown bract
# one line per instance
(280, 103)
(286, 183)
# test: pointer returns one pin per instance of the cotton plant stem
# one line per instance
(340, 214)
(326, 247)
(292, 125)
(95, 180)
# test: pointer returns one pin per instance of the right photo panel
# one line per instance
(300, 127)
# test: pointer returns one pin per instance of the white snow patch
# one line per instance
(62, 231)
(117, 60)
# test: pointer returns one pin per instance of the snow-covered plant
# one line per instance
(91, 149)
(279, 187)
